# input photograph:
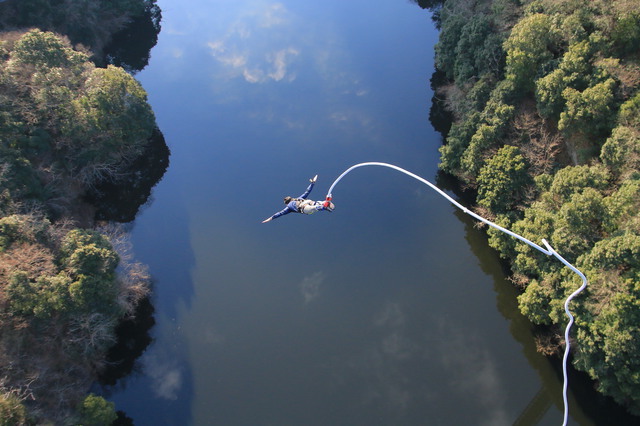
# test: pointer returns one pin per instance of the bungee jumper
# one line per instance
(302, 205)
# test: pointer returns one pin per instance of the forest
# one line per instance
(72, 120)
(543, 101)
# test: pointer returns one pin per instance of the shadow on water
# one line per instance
(130, 48)
(144, 371)
(439, 116)
(133, 339)
(130, 363)
(120, 201)
(148, 372)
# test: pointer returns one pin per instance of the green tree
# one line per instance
(473, 158)
(629, 114)
(528, 49)
(502, 180)
(478, 50)
(580, 223)
(557, 217)
(84, 280)
(619, 253)
(90, 261)
(113, 123)
(45, 50)
(472, 36)
(42, 298)
(535, 302)
(96, 411)
(621, 151)
(496, 116)
(76, 122)
(626, 34)
(10, 227)
(572, 180)
(549, 91)
(12, 411)
(623, 207)
(574, 71)
(457, 142)
(609, 345)
(539, 222)
(24, 228)
(445, 49)
(590, 111)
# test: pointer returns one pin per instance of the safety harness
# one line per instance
(301, 202)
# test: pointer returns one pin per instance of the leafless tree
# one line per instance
(540, 145)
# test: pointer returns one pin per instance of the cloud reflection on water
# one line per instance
(166, 376)
(473, 373)
(401, 370)
(310, 286)
(253, 53)
(256, 46)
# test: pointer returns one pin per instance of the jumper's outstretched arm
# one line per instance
(549, 251)
(287, 210)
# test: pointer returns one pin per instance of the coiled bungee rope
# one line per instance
(549, 251)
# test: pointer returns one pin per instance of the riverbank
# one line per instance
(541, 96)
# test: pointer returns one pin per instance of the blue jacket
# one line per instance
(292, 207)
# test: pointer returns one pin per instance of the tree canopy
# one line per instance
(551, 147)
(91, 23)
(76, 124)
(66, 127)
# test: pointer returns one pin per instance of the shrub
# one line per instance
(96, 411)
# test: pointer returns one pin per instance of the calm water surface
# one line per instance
(391, 310)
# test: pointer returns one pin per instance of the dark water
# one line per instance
(391, 310)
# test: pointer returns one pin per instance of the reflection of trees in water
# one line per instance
(594, 407)
(120, 32)
(432, 5)
(130, 48)
(133, 339)
(120, 200)
(439, 116)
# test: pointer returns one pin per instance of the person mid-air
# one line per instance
(302, 205)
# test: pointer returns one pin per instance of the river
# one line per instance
(392, 310)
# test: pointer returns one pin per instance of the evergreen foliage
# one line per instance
(502, 181)
(12, 412)
(552, 148)
(75, 126)
(65, 127)
(91, 23)
(96, 411)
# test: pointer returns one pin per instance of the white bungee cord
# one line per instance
(549, 251)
